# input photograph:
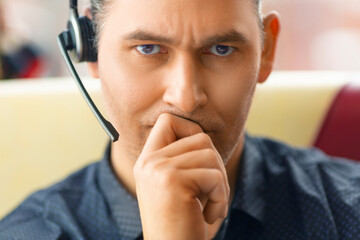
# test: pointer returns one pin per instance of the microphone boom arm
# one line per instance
(107, 126)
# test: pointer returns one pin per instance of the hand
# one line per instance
(181, 182)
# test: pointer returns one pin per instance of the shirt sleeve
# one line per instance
(341, 183)
(35, 228)
(29, 221)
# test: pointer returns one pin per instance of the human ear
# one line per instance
(91, 66)
(271, 23)
(93, 69)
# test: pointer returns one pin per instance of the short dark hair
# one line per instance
(99, 10)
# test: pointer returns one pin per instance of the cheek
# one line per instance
(126, 87)
(232, 91)
(232, 101)
(127, 93)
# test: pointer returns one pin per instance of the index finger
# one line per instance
(167, 129)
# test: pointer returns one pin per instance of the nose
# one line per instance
(184, 85)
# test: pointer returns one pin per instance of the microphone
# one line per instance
(64, 44)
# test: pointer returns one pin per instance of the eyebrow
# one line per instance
(147, 36)
(229, 36)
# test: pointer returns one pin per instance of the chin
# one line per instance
(227, 146)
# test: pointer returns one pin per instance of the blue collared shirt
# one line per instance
(281, 193)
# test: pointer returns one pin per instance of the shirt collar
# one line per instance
(123, 206)
(250, 189)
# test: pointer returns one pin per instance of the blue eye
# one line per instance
(221, 50)
(148, 49)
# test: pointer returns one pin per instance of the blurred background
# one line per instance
(316, 35)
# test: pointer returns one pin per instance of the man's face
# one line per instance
(197, 59)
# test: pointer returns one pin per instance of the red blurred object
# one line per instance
(340, 132)
(24, 62)
(34, 69)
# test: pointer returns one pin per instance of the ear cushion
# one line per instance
(88, 40)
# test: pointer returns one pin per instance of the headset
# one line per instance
(79, 39)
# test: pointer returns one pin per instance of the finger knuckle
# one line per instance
(146, 165)
(224, 198)
(140, 163)
(218, 176)
(204, 139)
(209, 154)
(166, 178)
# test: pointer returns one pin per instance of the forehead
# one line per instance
(184, 20)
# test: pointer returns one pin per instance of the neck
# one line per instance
(123, 165)
(232, 165)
